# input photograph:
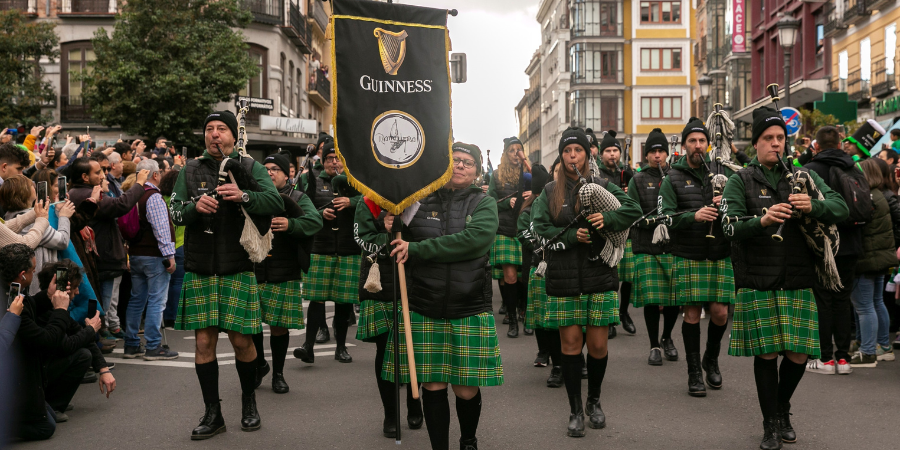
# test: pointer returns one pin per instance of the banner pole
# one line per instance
(410, 353)
(396, 337)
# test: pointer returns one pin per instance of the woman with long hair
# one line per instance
(508, 187)
(581, 290)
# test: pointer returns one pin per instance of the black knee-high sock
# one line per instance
(624, 297)
(247, 374)
(342, 312)
(508, 293)
(279, 346)
(596, 372)
(571, 369)
(715, 333)
(260, 353)
(315, 319)
(522, 295)
(651, 319)
(468, 412)
(788, 379)
(436, 410)
(385, 387)
(554, 346)
(208, 375)
(540, 336)
(670, 316)
(690, 332)
(766, 373)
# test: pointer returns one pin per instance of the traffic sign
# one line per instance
(792, 119)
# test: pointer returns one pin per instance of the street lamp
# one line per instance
(705, 83)
(788, 29)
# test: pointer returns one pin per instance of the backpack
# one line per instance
(130, 224)
(852, 185)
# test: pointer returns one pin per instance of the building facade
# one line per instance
(285, 39)
(528, 112)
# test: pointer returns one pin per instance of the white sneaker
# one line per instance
(884, 354)
(817, 366)
(702, 313)
(843, 367)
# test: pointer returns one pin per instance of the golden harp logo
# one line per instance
(762, 191)
(397, 139)
(392, 47)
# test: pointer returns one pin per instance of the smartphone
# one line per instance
(92, 308)
(14, 290)
(42, 194)
(62, 279)
(63, 188)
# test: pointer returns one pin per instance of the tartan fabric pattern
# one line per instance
(461, 352)
(375, 319)
(506, 250)
(537, 298)
(626, 265)
(333, 279)
(699, 282)
(229, 302)
(282, 304)
(775, 321)
(653, 283)
(596, 310)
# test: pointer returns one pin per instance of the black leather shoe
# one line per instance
(669, 349)
(414, 416)
(593, 410)
(211, 424)
(468, 444)
(261, 372)
(249, 415)
(784, 423)
(576, 418)
(696, 388)
(612, 332)
(513, 327)
(89, 377)
(711, 366)
(279, 386)
(542, 359)
(771, 435)
(555, 379)
(627, 323)
(323, 335)
(502, 310)
(389, 428)
(655, 358)
(341, 355)
(305, 353)
(506, 319)
(528, 332)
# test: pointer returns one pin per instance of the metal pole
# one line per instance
(787, 88)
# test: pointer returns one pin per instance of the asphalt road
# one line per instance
(336, 406)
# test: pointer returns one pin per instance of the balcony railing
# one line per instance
(72, 109)
(882, 81)
(88, 7)
(596, 19)
(296, 28)
(28, 6)
(533, 96)
(857, 88)
(534, 127)
(604, 123)
(837, 85)
(320, 89)
(266, 11)
(318, 15)
(854, 11)
(598, 76)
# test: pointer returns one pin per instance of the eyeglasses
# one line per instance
(273, 169)
(331, 159)
(468, 163)
(106, 169)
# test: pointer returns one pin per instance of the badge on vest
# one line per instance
(434, 216)
(202, 188)
(763, 192)
(688, 183)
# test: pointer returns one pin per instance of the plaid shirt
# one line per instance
(158, 216)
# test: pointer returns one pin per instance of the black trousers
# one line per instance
(37, 431)
(835, 312)
(64, 376)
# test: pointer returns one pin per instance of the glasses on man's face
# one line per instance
(106, 169)
(468, 163)
(273, 170)
(331, 159)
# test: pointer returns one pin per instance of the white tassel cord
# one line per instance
(661, 235)
(722, 153)
(373, 281)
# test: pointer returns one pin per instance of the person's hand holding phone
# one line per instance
(17, 305)
(171, 268)
(40, 208)
(94, 322)
(65, 209)
(60, 300)
(35, 131)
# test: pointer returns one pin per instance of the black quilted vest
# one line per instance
(508, 217)
(336, 236)
(385, 267)
(447, 290)
(570, 272)
(761, 263)
(285, 260)
(691, 242)
(647, 183)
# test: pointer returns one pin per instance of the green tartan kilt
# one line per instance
(462, 352)
(626, 265)
(698, 282)
(375, 319)
(228, 302)
(282, 304)
(775, 321)
(333, 279)
(596, 310)
(653, 280)
(506, 250)
(537, 299)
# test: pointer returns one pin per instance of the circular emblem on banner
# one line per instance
(397, 139)
(738, 39)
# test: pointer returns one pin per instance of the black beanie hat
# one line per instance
(592, 137)
(328, 149)
(574, 135)
(323, 137)
(763, 118)
(694, 125)
(610, 141)
(279, 160)
(656, 141)
(539, 179)
(510, 141)
(472, 150)
(226, 117)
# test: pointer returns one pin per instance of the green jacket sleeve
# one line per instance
(309, 223)
(492, 191)
(366, 232)
(734, 204)
(668, 203)
(476, 240)
(622, 218)
(267, 201)
(523, 226)
(181, 208)
(831, 210)
(542, 224)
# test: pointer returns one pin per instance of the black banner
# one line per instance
(391, 92)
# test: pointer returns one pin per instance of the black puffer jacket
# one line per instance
(879, 251)
(821, 164)
(894, 206)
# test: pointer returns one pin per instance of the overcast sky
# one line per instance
(498, 37)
